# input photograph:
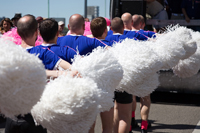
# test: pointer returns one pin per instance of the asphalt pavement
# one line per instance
(169, 113)
(172, 113)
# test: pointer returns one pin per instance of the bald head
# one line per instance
(117, 25)
(76, 22)
(26, 26)
(136, 20)
(126, 18)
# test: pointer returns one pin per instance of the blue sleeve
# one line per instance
(70, 54)
(136, 35)
(147, 33)
(50, 59)
(140, 36)
(59, 40)
(110, 38)
(110, 32)
(94, 43)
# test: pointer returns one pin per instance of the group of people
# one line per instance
(170, 9)
(57, 52)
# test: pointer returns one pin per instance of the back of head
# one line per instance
(117, 25)
(48, 29)
(136, 20)
(142, 19)
(98, 26)
(76, 22)
(26, 26)
(126, 18)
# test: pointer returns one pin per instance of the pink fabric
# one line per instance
(107, 21)
(87, 29)
(144, 125)
(133, 114)
(13, 36)
(39, 41)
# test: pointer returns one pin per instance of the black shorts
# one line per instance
(23, 125)
(123, 97)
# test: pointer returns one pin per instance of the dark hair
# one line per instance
(7, 20)
(117, 24)
(48, 29)
(27, 28)
(98, 26)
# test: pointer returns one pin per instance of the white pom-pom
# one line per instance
(139, 62)
(68, 105)
(190, 66)
(22, 79)
(174, 45)
(104, 69)
(148, 86)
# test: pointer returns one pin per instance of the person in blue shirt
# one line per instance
(98, 28)
(49, 32)
(145, 102)
(137, 23)
(139, 27)
(133, 24)
(117, 27)
(28, 31)
(127, 20)
(123, 100)
(82, 44)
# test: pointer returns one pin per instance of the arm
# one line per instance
(55, 73)
(64, 64)
(187, 19)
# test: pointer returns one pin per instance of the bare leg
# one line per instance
(145, 103)
(122, 117)
(134, 103)
(107, 120)
(92, 128)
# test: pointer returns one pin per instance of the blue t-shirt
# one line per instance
(65, 53)
(84, 45)
(136, 35)
(110, 32)
(126, 31)
(106, 42)
(115, 38)
(147, 33)
(192, 9)
(48, 58)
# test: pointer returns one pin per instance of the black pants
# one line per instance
(23, 125)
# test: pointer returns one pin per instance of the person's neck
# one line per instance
(76, 33)
(117, 32)
(102, 38)
(127, 27)
(54, 41)
(27, 44)
(134, 28)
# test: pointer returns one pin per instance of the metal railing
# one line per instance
(181, 22)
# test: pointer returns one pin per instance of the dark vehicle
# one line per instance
(118, 7)
(171, 83)
(168, 81)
